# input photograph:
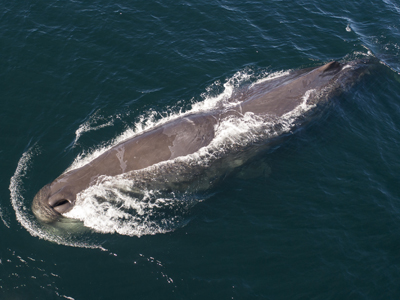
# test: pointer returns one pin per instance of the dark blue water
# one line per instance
(317, 217)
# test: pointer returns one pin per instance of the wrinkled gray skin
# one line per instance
(188, 134)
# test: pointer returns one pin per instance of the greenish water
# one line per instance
(317, 217)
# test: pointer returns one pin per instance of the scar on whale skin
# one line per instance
(120, 155)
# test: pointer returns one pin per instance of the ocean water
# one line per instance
(316, 217)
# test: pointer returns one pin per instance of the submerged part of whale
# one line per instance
(156, 157)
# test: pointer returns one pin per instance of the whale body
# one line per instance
(186, 135)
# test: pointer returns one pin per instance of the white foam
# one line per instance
(90, 125)
(272, 76)
(2, 218)
(125, 214)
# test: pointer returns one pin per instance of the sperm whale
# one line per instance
(190, 133)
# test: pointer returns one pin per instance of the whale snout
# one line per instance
(49, 207)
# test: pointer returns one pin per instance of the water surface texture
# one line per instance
(315, 217)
